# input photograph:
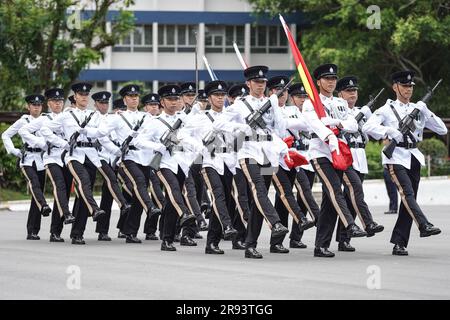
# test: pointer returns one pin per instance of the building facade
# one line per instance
(162, 47)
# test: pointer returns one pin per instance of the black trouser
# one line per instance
(391, 190)
(151, 222)
(110, 191)
(220, 188)
(285, 202)
(407, 182)
(127, 191)
(192, 192)
(305, 200)
(36, 182)
(174, 206)
(262, 208)
(84, 176)
(139, 176)
(62, 181)
(354, 195)
(239, 216)
(333, 201)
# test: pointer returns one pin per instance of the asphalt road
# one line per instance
(115, 270)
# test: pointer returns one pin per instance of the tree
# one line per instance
(48, 43)
(411, 35)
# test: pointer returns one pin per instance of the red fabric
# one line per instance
(289, 141)
(344, 159)
(295, 159)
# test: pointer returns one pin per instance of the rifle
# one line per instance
(125, 146)
(23, 154)
(168, 139)
(407, 125)
(370, 104)
(255, 119)
(74, 137)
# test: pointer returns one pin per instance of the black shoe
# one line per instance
(125, 209)
(103, 237)
(56, 238)
(97, 213)
(252, 253)
(186, 217)
(399, 251)
(78, 240)
(229, 232)
(305, 224)
(353, 231)
(132, 239)
(177, 238)
(33, 236)
(373, 228)
(167, 246)
(238, 245)
(391, 212)
(203, 226)
(120, 235)
(213, 249)
(323, 253)
(297, 244)
(279, 230)
(428, 230)
(278, 248)
(345, 246)
(198, 236)
(45, 211)
(187, 241)
(151, 236)
(69, 218)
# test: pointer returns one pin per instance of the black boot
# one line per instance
(97, 213)
(345, 246)
(399, 250)
(187, 241)
(103, 237)
(428, 230)
(297, 244)
(45, 211)
(213, 249)
(353, 231)
(252, 253)
(69, 218)
(167, 246)
(323, 253)
(279, 230)
(132, 239)
(373, 228)
(56, 238)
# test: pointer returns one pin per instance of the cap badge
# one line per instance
(104, 96)
(190, 87)
(36, 99)
(153, 98)
(133, 89)
(350, 82)
(173, 90)
(261, 73)
(219, 87)
(84, 88)
(282, 81)
(409, 77)
(331, 69)
(57, 93)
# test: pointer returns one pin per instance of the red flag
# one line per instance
(340, 161)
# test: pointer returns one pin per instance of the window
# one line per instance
(176, 38)
(268, 39)
(221, 38)
(140, 40)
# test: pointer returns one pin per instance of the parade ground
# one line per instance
(116, 270)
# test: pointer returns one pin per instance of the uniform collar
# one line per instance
(254, 99)
(401, 104)
(167, 116)
(325, 98)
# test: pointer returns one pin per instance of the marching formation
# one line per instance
(196, 155)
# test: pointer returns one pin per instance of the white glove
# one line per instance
(274, 100)
(66, 147)
(328, 121)
(40, 143)
(160, 148)
(117, 153)
(333, 143)
(134, 134)
(394, 134)
(366, 111)
(244, 128)
(83, 131)
(16, 152)
(423, 108)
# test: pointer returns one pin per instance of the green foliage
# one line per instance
(412, 35)
(437, 150)
(43, 45)
(373, 153)
(10, 176)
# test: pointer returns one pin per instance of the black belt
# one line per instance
(302, 148)
(259, 137)
(221, 150)
(133, 148)
(313, 135)
(33, 149)
(407, 145)
(357, 145)
(87, 144)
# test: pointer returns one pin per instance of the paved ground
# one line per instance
(42, 270)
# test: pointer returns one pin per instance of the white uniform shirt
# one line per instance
(38, 142)
(358, 154)
(318, 148)
(384, 117)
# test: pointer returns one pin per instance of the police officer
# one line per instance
(174, 165)
(404, 165)
(283, 179)
(259, 154)
(305, 173)
(107, 153)
(82, 157)
(347, 88)
(58, 173)
(30, 162)
(188, 95)
(135, 162)
(237, 91)
(333, 201)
